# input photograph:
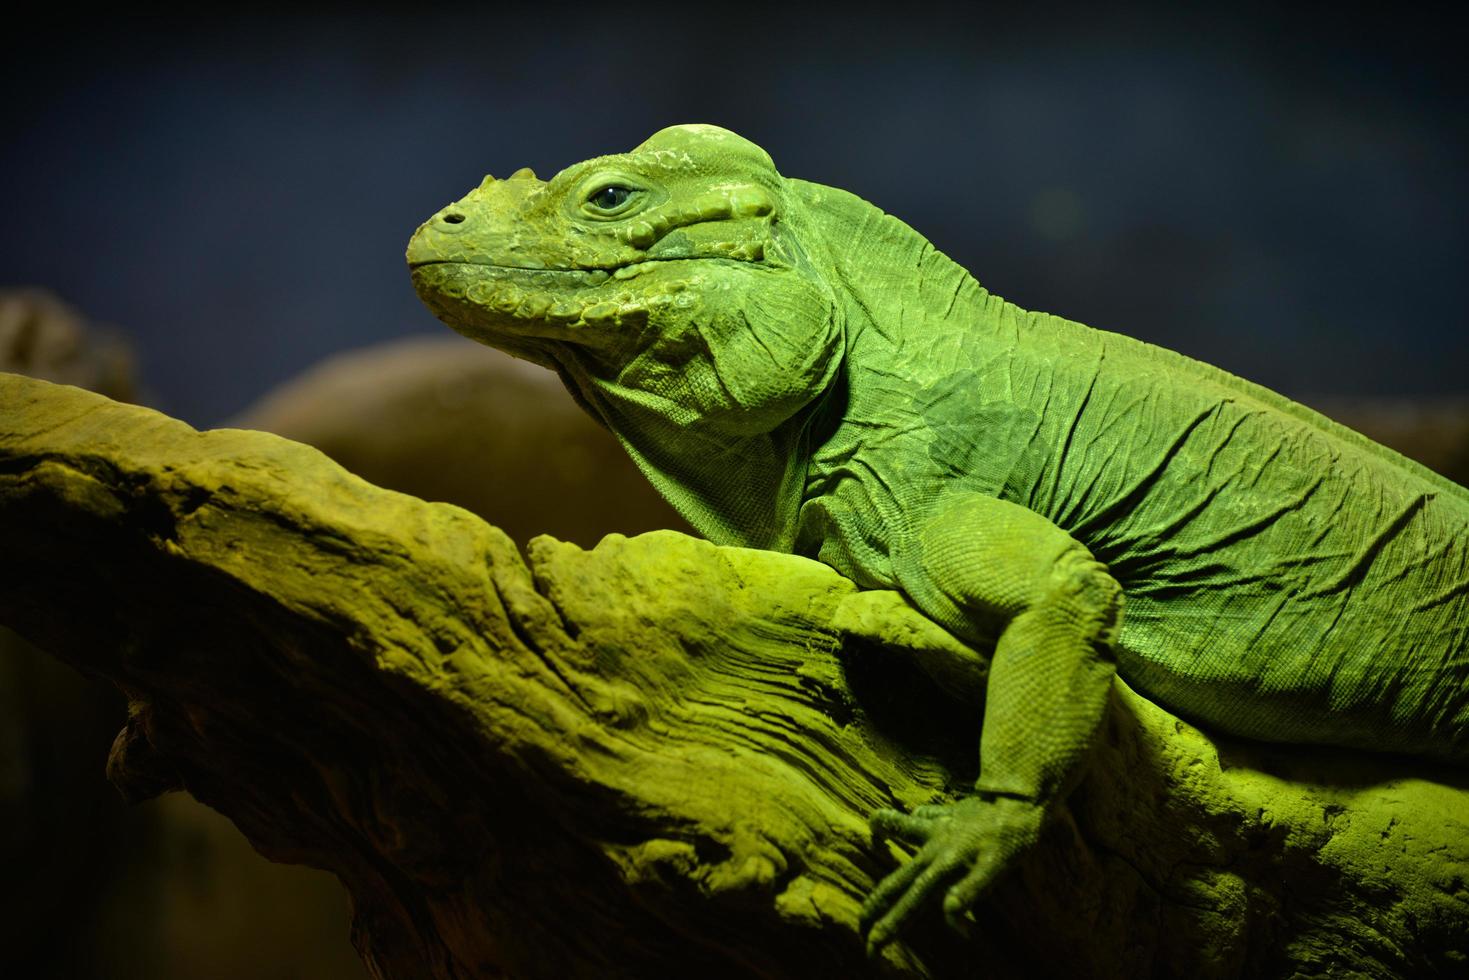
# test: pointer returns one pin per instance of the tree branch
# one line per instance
(652, 754)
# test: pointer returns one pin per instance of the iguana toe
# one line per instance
(963, 847)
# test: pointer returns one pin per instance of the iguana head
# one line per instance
(669, 278)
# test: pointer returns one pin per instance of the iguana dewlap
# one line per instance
(796, 370)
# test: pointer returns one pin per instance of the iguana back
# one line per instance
(1285, 577)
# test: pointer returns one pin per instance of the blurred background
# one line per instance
(1280, 193)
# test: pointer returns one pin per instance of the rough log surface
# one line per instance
(655, 755)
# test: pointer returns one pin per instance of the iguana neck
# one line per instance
(712, 399)
(896, 289)
(859, 265)
(742, 491)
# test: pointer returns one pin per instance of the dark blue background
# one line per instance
(1280, 194)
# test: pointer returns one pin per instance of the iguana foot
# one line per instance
(963, 847)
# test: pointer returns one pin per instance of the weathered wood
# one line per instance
(654, 756)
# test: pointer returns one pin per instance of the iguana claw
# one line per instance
(963, 848)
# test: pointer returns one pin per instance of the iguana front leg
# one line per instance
(1047, 691)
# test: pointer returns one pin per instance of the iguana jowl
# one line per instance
(796, 370)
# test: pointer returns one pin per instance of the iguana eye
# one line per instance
(610, 198)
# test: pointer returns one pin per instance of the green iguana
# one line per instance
(796, 370)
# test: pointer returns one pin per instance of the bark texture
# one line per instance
(655, 755)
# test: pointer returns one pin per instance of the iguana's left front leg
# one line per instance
(1047, 692)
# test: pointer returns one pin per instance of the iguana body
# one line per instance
(796, 370)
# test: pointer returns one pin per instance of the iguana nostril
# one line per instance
(454, 218)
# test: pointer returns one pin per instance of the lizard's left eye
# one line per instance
(610, 198)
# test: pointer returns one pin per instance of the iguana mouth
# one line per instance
(600, 273)
(566, 298)
(468, 290)
(499, 267)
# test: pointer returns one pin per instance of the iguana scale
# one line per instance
(796, 370)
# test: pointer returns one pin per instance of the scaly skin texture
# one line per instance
(796, 370)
